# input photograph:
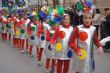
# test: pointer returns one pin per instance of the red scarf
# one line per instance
(65, 26)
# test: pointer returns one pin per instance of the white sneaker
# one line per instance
(22, 51)
(52, 71)
(47, 71)
(39, 63)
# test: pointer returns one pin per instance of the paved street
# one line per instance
(12, 61)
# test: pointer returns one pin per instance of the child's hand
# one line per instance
(52, 46)
(79, 53)
(100, 50)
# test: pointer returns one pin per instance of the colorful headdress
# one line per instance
(53, 15)
(84, 6)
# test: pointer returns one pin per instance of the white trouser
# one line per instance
(105, 40)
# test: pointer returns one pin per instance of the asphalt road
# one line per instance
(12, 61)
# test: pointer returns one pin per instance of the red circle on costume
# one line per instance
(83, 36)
(61, 34)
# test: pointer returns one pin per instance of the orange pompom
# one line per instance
(61, 34)
(82, 36)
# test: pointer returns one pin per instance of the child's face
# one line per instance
(25, 16)
(87, 19)
(36, 22)
(66, 20)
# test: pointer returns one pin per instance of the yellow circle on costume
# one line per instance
(58, 47)
(84, 54)
(17, 32)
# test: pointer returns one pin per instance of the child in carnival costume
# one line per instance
(16, 33)
(50, 50)
(27, 23)
(3, 25)
(33, 39)
(42, 29)
(10, 28)
(22, 33)
(60, 39)
(85, 35)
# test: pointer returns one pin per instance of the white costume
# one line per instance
(50, 52)
(33, 39)
(65, 53)
(10, 28)
(3, 25)
(27, 24)
(42, 38)
(23, 35)
(17, 30)
(86, 65)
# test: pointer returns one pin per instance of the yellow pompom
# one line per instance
(84, 54)
(17, 32)
(58, 47)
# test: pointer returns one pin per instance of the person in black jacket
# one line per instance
(107, 25)
(106, 29)
(74, 18)
(103, 18)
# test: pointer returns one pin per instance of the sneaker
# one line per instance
(52, 71)
(32, 55)
(39, 63)
(22, 51)
(13, 46)
(27, 51)
(47, 71)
